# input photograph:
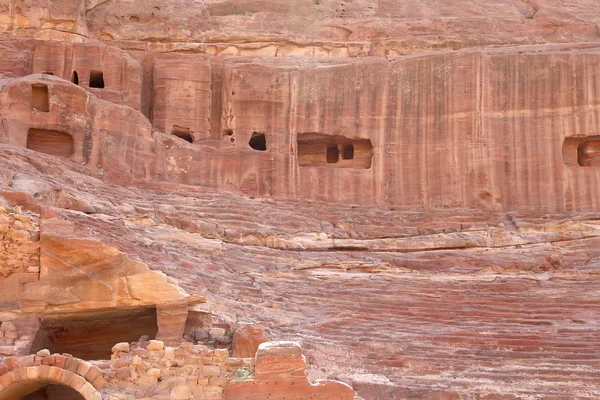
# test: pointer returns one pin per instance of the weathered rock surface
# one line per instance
(424, 304)
(414, 196)
(305, 28)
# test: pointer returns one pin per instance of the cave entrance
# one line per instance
(53, 391)
(258, 141)
(319, 150)
(96, 79)
(333, 154)
(39, 97)
(55, 143)
(182, 133)
(75, 78)
(582, 151)
(91, 336)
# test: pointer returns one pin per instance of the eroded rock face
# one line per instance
(412, 193)
(49, 115)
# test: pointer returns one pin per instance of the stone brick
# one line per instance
(72, 364)
(99, 383)
(213, 392)
(7, 379)
(77, 382)
(211, 370)
(83, 368)
(59, 360)
(7, 351)
(43, 353)
(33, 373)
(180, 393)
(12, 363)
(56, 374)
(156, 345)
(93, 373)
(121, 347)
(123, 373)
(48, 360)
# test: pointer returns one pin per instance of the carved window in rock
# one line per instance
(54, 143)
(582, 151)
(91, 335)
(318, 150)
(75, 77)
(258, 141)
(96, 79)
(182, 133)
(333, 153)
(40, 99)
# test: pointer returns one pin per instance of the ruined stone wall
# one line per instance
(19, 242)
(187, 371)
(151, 369)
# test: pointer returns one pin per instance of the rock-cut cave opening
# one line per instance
(258, 141)
(333, 154)
(182, 133)
(96, 79)
(75, 77)
(91, 336)
(40, 99)
(320, 150)
(55, 143)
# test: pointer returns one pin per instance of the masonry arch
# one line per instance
(22, 383)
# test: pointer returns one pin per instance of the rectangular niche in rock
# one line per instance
(55, 143)
(91, 335)
(582, 151)
(318, 150)
(96, 79)
(39, 97)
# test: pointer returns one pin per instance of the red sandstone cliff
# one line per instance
(410, 189)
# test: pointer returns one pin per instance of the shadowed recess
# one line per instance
(39, 97)
(53, 391)
(96, 79)
(55, 143)
(318, 150)
(91, 336)
(258, 141)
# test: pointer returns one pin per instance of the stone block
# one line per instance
(93, 373)
(7, 351)
(211, 370)
(156, 345)
(121, 347)
(123, 373)
(7, 326)
(180, 393)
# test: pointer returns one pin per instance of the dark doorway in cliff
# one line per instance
(183, 133)
(96, 79)
(40, 99)
(333, 151)
(333, 154)
(348, 152)
(75, 78)
(54, 391)
(55, 143)
(258, 141)
(91, 335)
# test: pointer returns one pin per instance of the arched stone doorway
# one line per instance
(45, 383)
(53, 391)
